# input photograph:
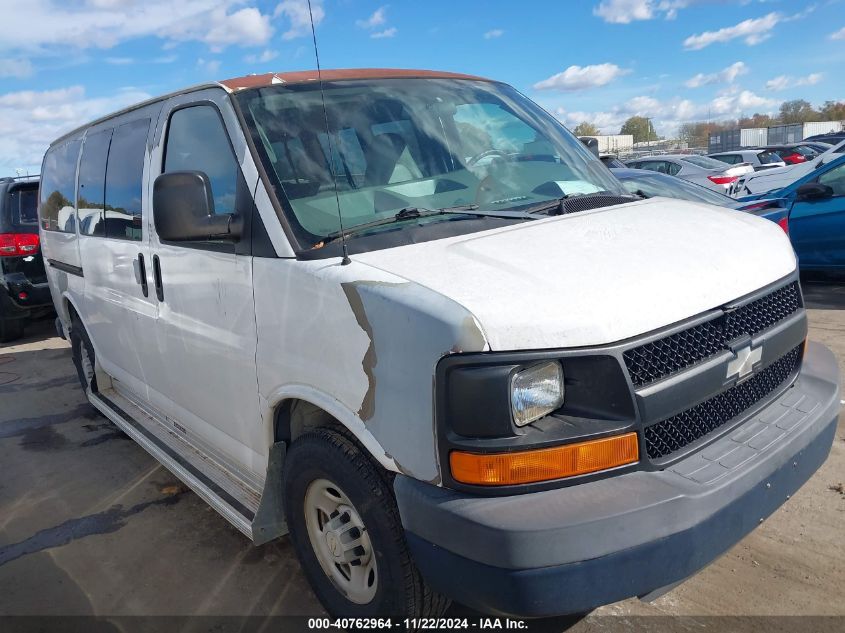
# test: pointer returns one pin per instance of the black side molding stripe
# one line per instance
(225, 496)
(68, 268)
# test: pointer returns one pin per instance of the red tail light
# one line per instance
(784, 224)
(722, 180)
(791, 159)
(18, 244)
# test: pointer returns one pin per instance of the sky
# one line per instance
(66, 62)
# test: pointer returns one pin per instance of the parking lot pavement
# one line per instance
(92, 525)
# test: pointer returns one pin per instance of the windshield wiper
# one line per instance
(413, 213)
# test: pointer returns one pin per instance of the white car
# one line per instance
(774, 179)
(409, 320)
(702, 170)
(759, 159)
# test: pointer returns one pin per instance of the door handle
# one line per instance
(157, 278)
(141, 274)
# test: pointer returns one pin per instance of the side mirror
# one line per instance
(183, 209)
(591, 143)
(813, 191)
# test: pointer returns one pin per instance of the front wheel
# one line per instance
(347, 534)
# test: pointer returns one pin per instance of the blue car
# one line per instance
(812, 211)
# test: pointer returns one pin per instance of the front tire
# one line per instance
(347, 533)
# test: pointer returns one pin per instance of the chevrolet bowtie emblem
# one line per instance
(743, 363)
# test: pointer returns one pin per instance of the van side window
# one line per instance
(58, 188)
(90, 202)
(197, 141)
(124, 180)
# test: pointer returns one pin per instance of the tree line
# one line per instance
(697, 133)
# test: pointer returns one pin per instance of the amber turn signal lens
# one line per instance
(523, 467)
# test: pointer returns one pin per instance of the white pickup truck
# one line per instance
(409, 319)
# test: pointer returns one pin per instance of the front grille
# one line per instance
(666, 356)
(673, 434)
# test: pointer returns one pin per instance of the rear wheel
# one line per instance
(347, 533)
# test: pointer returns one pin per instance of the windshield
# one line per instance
(704, 161)
(652, 185)
(421, 143)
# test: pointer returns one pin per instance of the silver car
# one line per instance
(759, 159)
(701, 170)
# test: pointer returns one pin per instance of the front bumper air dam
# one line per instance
(573, 549)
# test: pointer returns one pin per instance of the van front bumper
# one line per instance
(573, 549)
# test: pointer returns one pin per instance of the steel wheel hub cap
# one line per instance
(340, 541)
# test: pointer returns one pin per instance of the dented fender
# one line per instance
(362, 344)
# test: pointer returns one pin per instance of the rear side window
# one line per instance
(58, 188)
(91, 203)
(124, 180)
(197, 141)
(767, 158)
(24, 206)
(730, 159)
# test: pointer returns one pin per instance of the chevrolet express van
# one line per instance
(425, 332)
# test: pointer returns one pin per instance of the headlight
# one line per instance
(536, 391)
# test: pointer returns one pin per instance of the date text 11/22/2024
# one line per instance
(482, 623)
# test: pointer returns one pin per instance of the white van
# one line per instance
(424, 331)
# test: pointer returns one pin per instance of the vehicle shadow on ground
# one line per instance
(540, 625)
(39, 329)
(823, 293)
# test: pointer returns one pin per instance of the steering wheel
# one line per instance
(490, 152)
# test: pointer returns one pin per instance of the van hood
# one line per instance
(599, 276)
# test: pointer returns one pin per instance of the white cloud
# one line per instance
(378, 18)
(626, 11)
(165, 59)
(296, 11)
(103, 24)
(19, 68)
(391, 32)
(31, 120)
(264, 57)
(752, 31)
(208, 66)
(244, 26)
(119, 61)
(782, 82)
(838, 35)
(582, 77)
(667, 115)
(726, 76)
(493, 34)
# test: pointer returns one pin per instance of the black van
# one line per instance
(23, 282)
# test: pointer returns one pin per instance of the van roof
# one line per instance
(269, 79)
(340, 74)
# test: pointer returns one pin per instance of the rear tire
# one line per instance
(83, 355)
(339, 507)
